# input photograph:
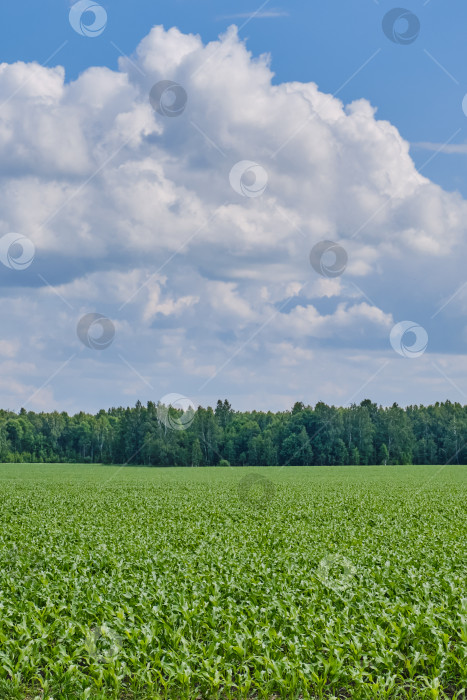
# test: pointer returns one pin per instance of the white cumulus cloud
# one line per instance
(133, 216)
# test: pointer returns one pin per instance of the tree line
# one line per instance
(155, 435)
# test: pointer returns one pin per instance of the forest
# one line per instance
(155, 435)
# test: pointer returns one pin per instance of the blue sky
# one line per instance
(135, 216)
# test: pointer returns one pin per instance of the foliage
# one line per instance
(305, 582)
(323, 435)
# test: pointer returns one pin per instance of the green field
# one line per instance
(307, 582)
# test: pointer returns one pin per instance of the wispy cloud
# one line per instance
(264, 14)
(442, 148)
